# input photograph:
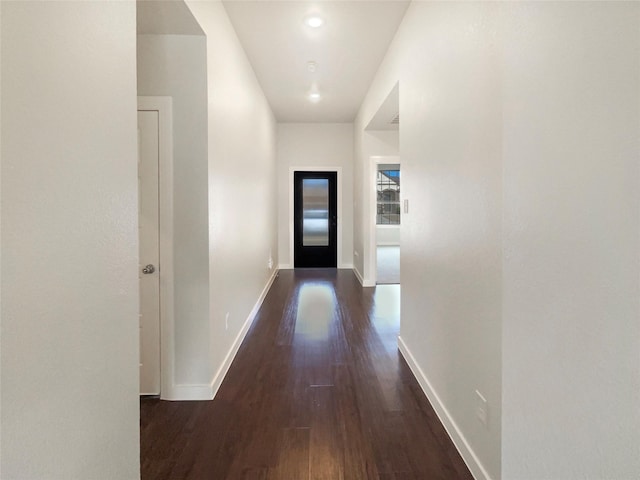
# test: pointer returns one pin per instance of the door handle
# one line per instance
(148, 269)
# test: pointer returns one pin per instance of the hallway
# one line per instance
(317, 390)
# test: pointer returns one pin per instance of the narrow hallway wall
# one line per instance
(242, 187)
(69, 346)
(520, 271)
(571, 237)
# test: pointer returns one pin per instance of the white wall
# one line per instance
(387, 235)
(69, 241)
(314, 145)
(519, 152)
(451, 170)
(242, 186)
(383, 142)
(451, 264)
(176, 66)
(1, 310)
(571, 335)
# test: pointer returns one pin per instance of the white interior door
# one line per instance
(149, 268)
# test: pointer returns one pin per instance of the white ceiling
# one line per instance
(348, 49)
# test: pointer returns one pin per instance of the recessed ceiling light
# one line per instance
(314, 97)
(314, 21)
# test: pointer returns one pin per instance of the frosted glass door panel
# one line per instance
(315, 212)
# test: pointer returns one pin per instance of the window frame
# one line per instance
(390, 207)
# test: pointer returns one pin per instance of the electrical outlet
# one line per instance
(482, 409)
(226, 321)
(270, 263)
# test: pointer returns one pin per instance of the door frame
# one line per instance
(164, 107)
(372, 258)
(315, 256)
(338, 171)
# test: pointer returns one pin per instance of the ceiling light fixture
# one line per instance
(314, 21)
(314, 97)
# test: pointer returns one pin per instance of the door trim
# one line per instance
(338, 171)
(164, 107)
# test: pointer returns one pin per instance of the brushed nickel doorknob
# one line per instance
(148, 269)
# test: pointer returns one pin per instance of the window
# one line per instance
(388, 191)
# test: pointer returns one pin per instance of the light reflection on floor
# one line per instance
(316, 310)
(385, 315)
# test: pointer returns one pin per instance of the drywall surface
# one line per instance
(451, 262)
(388, 235)
(0, 240)
(451, 174)
(242, 183)
(176, 66)
(313, 145)
(70, 407)
(571, 334)
(519, 147)
(383, 143)
(166, 18)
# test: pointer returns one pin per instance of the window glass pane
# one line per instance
(388, 197)
(315, 212)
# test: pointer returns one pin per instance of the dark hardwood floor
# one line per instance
(318, 390)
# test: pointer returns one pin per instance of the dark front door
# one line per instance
(315, 230)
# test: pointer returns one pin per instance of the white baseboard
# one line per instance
(224, 368)
(358, 276)
(387, 244)
(468, 455)
(189, 392)
(346, 266)
(363, 282)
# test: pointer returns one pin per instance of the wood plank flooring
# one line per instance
(317, 391)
